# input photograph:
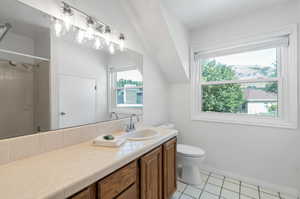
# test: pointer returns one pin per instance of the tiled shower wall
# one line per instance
(25, 146)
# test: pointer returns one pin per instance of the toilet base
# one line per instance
(188, 170)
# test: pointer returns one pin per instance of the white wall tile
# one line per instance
(50, 141)
(25, 146)
(4, 151)
(72, 136)
(21, 147)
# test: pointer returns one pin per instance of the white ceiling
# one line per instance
(197, 13)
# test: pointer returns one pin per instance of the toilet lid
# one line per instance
(190, 151)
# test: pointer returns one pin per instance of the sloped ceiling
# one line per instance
(159, 32)
(195, 13)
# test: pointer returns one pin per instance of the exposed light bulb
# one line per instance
(80, 36)
(90, 29)
(97, 43)
(67, 16)
(111, 48)
(58, 28)
(122, 42)
(89, 33)
(107, 35)
(67, 20)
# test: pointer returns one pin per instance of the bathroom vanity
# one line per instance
(152, 175)
(137, 169)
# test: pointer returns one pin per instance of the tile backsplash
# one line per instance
(13, 149)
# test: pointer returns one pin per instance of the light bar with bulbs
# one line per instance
(95, 29)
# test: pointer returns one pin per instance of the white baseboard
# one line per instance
(282, 189)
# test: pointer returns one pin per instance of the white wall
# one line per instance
(126, 59)
(267, 154)
(112, 12)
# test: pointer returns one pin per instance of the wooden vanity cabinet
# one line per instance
(121, 183)
(158, 172)
(152, 176)
(169, 168)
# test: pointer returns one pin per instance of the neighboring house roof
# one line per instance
(252, 94)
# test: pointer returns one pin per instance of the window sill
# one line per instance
(245, 120)
(130, 106)
(128, 110)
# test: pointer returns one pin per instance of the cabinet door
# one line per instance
(88, 193)
(169, 168)
(151, 175)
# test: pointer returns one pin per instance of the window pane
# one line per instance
(130, 96)
(129, 78)
(248, 65)
(120, 96)
(248, 98)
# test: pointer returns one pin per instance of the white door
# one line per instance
(77, 101)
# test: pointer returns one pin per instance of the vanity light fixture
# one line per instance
(97, 43)
(122, 39)
(107, 34)
(90, 28)
(111, 48)
(67, 16)
(58, 27)
(95, 29)
(80, 36)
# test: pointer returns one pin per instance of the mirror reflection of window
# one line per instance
(129, 88)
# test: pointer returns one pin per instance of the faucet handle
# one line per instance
(127, 128)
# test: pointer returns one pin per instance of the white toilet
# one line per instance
(188, 160)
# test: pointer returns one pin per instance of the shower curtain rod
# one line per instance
(24, 55)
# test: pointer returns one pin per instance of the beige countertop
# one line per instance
(61, 173)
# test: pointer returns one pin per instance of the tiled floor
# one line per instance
(221, 187)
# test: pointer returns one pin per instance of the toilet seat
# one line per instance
(190, 151)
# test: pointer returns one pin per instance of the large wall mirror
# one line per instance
(50, 81)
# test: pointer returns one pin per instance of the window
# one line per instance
(241, 83)
(127, 88)
(251, 83)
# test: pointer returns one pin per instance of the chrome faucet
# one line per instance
(131, 126)
(114, 114)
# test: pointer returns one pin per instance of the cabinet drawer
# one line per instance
(130, 193)
(116, 183)
(87, 193)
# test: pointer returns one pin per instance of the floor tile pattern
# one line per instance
(217, 186)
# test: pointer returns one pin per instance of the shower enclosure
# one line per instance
(24, 105)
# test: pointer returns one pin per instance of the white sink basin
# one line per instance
(143, 134)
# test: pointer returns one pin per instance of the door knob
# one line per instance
(62, 113)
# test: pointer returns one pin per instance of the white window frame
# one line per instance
(287, 82)
(126, 108)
